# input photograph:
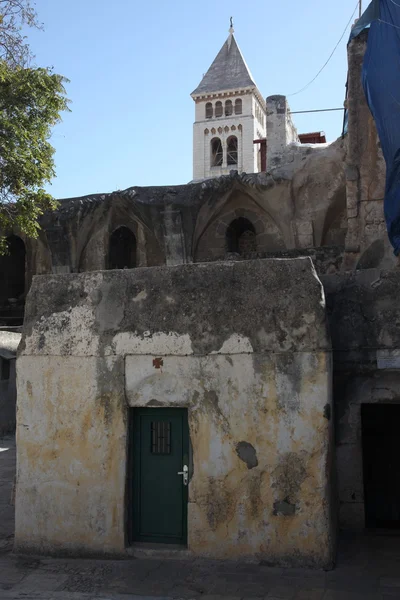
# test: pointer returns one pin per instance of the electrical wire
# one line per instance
(330, 56)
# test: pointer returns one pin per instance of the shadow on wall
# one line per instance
(372, 257)
(335, 226)
(12, 282)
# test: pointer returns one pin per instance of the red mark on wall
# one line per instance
(158, 363)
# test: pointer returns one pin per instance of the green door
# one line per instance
(159, 495)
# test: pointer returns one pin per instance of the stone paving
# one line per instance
(368, 568)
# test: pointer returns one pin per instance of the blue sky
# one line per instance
(132, 66)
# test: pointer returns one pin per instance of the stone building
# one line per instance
(285, 388)
(230, 114)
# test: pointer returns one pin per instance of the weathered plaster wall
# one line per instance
(253, 370)
(365, 326)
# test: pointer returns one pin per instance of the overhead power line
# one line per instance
(298, 112)
(331, 54)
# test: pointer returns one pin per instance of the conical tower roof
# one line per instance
(228, 71)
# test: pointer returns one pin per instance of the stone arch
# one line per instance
(228, 108)
(232, 150)
(241, 237)
(238, 106)
(122, 250)
(94, 235)
(211, 243)
(216, 155)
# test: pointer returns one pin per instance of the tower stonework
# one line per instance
(230, 114)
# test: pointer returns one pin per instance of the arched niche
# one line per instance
(240, 231)
(122, 252)
(241, 237)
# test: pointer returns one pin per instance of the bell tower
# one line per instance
(230, 113)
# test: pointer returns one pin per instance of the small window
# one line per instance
(241, 237)
(238, 106)
(228, 108)
(122, 249)
(209, 110)
(218, 109)
(160, 437)
(5, 369)
(216, 152)
(232, 150)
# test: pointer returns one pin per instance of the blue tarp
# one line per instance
(381, 81)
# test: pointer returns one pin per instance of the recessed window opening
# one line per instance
(13, 268)
(209, 110)
(241, 237)
(228, 108)
(238, 106)
(232, 150)
(216, 152)
(218, 109)
(5, 369)
(122, 249)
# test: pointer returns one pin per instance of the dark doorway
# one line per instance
(381, 464)
(12, 270)
(122, 249)
(159, 486)
(241, 237)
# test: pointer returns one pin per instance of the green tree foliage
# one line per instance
(31, 101)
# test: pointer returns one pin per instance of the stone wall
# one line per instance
(365, 327)
(253, 370)
(367, 244)
(281, 130)
(313, 196)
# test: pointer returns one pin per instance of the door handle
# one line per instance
(185, 474)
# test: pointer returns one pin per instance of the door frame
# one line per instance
(134, 467)
(370, 521)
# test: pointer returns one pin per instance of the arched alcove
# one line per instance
(122, 249)
(209, 110)
(216, 153)
(12, 270)
(241, 236)
(232, 150)
(239, 218)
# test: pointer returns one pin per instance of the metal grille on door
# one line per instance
(160, 437)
